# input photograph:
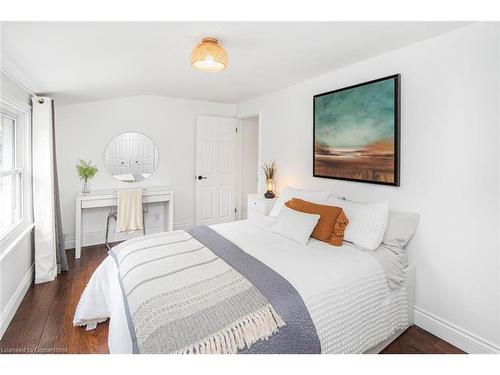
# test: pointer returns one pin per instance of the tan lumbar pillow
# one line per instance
(331, 225)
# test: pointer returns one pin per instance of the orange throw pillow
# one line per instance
(332, 222)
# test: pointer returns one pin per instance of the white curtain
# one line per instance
(49, 249)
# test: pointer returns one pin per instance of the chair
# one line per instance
(112, 215)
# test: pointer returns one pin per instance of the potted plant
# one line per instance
(85, 171)
(270, 173)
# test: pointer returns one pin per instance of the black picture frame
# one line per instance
(397, 131)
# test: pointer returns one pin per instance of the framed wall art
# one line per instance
(357, 132)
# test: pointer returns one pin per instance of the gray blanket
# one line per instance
(299, 333)
(182, 298)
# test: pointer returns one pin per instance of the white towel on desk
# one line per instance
(129, 213)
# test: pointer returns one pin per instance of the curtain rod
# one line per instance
(17, 83)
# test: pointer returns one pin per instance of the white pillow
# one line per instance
(400, 229)
(307, 195)
(367, 222)
(295, 225)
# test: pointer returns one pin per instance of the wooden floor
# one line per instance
(43, 322)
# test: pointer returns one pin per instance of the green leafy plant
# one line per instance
(86, 170)
(269, 170)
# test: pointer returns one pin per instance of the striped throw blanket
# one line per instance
(182, 298)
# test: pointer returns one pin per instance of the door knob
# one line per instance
(201, 177)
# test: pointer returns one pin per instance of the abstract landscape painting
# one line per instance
(356, 132)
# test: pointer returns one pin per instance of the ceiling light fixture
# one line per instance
(209, 56)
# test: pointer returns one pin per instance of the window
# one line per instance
(11, 212)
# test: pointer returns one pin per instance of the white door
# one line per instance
(215, 170)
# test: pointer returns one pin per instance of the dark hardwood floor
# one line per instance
(44, 321)
(416, 340)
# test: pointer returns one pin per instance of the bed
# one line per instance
(347, 291)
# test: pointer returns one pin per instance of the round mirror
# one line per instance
(131, 157)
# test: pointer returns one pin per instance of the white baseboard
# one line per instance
(244, 214)
(69, 244)
(183, 225)
(16, 299)
(457, 336)
(97, 237)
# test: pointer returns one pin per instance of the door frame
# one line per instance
(239, 140)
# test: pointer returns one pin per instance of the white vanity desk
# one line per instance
(107, 198)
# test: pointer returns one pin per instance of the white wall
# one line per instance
(450, 170)
(249, 159)
(16, 250)
(83, 131)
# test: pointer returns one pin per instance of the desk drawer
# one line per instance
(112, 201)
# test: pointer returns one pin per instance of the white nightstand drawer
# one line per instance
(258, 205)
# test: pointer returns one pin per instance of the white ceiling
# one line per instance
(77, 62)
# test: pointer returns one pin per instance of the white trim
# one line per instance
(20, 165)
(96, 237)
(242, 210)
(455, 335)
(16, 104)
(69, 239)
(10, 231)
(16, 241)
(183, 225)
(238, 175)
(10, 310)
(17, 76)
(69, 243)
(11, 172)
(22, 114)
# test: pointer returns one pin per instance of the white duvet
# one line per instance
(344, 289)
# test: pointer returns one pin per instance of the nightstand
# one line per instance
(259, 206)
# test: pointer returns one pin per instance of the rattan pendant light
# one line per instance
(209, 56)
